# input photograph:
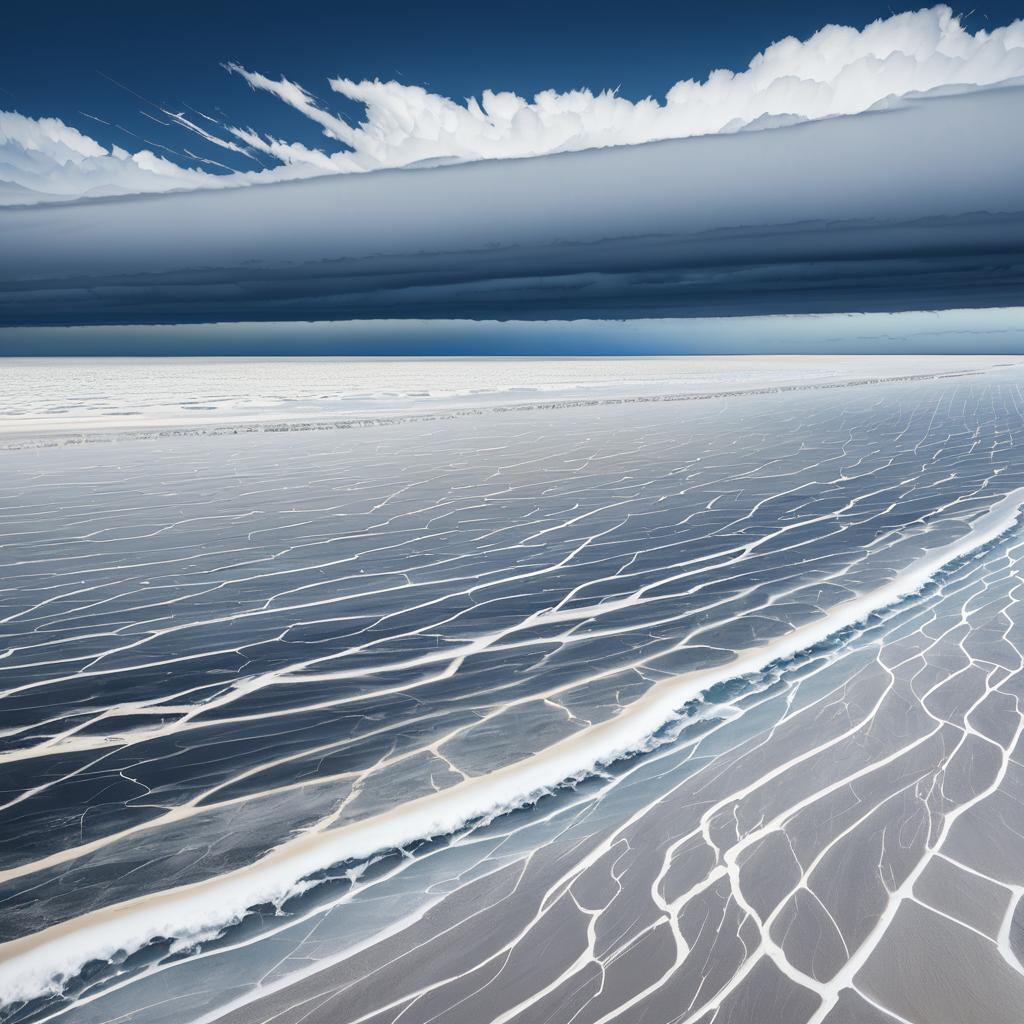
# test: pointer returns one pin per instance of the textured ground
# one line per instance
(231, 663)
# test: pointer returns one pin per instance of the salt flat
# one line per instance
(74, 400)
(41, 398)
(590, 711)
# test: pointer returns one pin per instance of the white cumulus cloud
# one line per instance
(839, 70)
(47, 156)
(46, 159)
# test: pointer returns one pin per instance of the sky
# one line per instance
(919, 205)
(978, 332)
(134, 62)
(839, 156)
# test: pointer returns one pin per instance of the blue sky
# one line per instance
(70, 61)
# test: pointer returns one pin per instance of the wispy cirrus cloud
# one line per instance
(839, 70)
(182, 121)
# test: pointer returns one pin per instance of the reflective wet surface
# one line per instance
(655, 711)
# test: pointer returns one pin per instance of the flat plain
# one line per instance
(598, 695)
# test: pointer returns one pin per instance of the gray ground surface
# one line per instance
(214, 642)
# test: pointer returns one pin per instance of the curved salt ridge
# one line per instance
(32, 965)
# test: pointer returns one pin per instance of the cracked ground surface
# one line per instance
(226, 652)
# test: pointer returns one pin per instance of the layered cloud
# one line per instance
(916, 207)
(839, 70)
